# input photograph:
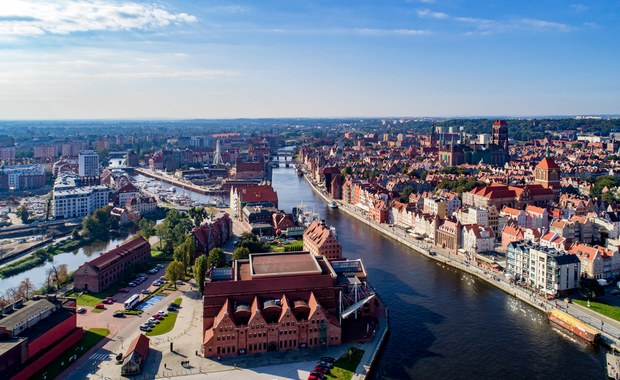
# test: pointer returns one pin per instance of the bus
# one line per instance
(132, 301)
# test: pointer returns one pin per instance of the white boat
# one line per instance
(332, 204)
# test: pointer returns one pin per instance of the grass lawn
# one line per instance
(90, 339)
(612, 312)
(92, 299)
(296, 245)
(167, 323)
(345, 366)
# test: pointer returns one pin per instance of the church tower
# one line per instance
(547, 173)
(500, 134)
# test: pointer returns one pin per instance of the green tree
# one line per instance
(404, 195)
(185, 252)
(198, 215)
(217, 258)
(175, 271)
(146, 228)
(22, 213)
(241, 253)
(200, 269)
(75, 235)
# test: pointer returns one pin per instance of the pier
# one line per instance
(182, 184)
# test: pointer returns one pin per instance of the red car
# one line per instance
(319, 369)
(100, 306)
(157, 316)
(316, 376)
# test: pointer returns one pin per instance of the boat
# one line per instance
(574, 325)
(332, 204)
(303, 216)
(613, 364)
(299, 171)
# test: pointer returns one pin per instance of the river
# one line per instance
(446, 324)
(73, 259)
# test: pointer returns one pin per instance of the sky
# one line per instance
(112, 59)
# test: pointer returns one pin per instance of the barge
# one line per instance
(574, 325)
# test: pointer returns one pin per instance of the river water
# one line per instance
(73, 259)
(446, 324)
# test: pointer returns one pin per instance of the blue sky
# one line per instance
(213, 59)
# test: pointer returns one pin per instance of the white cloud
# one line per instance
(39, 17)
(388, 32)
(431, 14)
(579, 7)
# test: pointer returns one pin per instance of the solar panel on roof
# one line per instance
(218, 274)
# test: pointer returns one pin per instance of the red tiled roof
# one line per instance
(123, 250)
(547, 163)
(140, 345)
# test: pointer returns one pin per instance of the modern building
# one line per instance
(282, 301)
(548, 271)
(34, 333)
(88, 164)
(319, 240)
(71, 201)
(22, 177)
(101, 272)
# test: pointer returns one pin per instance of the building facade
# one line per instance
(101, 272)
(319, 240)
(88, 164)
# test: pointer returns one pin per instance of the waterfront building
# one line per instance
(597, 262)
(281, 301)
(240, 196)
(126, 193)
(436, 206)
(212, 235)
(550, 272)
(88, 164)
(110, 267)
(141, 205)
(449, 235)
(319, 240)
(478, 239)
(34, 333)
(71, 201)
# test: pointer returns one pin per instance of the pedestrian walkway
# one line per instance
(99, 357)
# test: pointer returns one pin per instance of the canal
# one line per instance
(446, 324)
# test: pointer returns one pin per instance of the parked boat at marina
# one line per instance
(574, 325)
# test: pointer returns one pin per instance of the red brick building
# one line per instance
(101, 272)
(320, 241)
(34, 333)
(277, 301)
(209, 236)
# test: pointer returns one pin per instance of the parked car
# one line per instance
(157, 316)
(118, 314)
(172, 308)
(316, 376)
(328, 359)
(132, 284)
(179, 282)
(123, 290)
(325, 364)
(100, 306)
(81, 310)
(175, 305)
(106, 301)
(146, 291)
(145, 328)
(163, 313)
(320, 369)
(152, 321)
(162, 278)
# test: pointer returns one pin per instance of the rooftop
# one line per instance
(278, 264)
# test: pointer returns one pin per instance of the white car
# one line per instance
(163, 312)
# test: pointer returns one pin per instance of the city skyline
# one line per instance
(131, 59)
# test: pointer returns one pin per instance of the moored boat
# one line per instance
(574, 325)
(333, 204)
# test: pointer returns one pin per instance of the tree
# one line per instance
(197, 214)
(217, 258)
(404, 196)
(175, 271)
(75, 235)
(200, 269)
(62, 275)
(185, 252)
(241, 253)
(22, 213)
(26, 287)
(147, 228)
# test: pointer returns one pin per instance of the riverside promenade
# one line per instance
(609, 328)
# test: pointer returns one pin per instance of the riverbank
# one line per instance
(609, 333)
(176, 182)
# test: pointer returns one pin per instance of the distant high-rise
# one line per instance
(88, 163)
(500, 134)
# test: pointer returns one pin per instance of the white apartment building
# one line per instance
(88, 163)
(71, 201)
(549, 271)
